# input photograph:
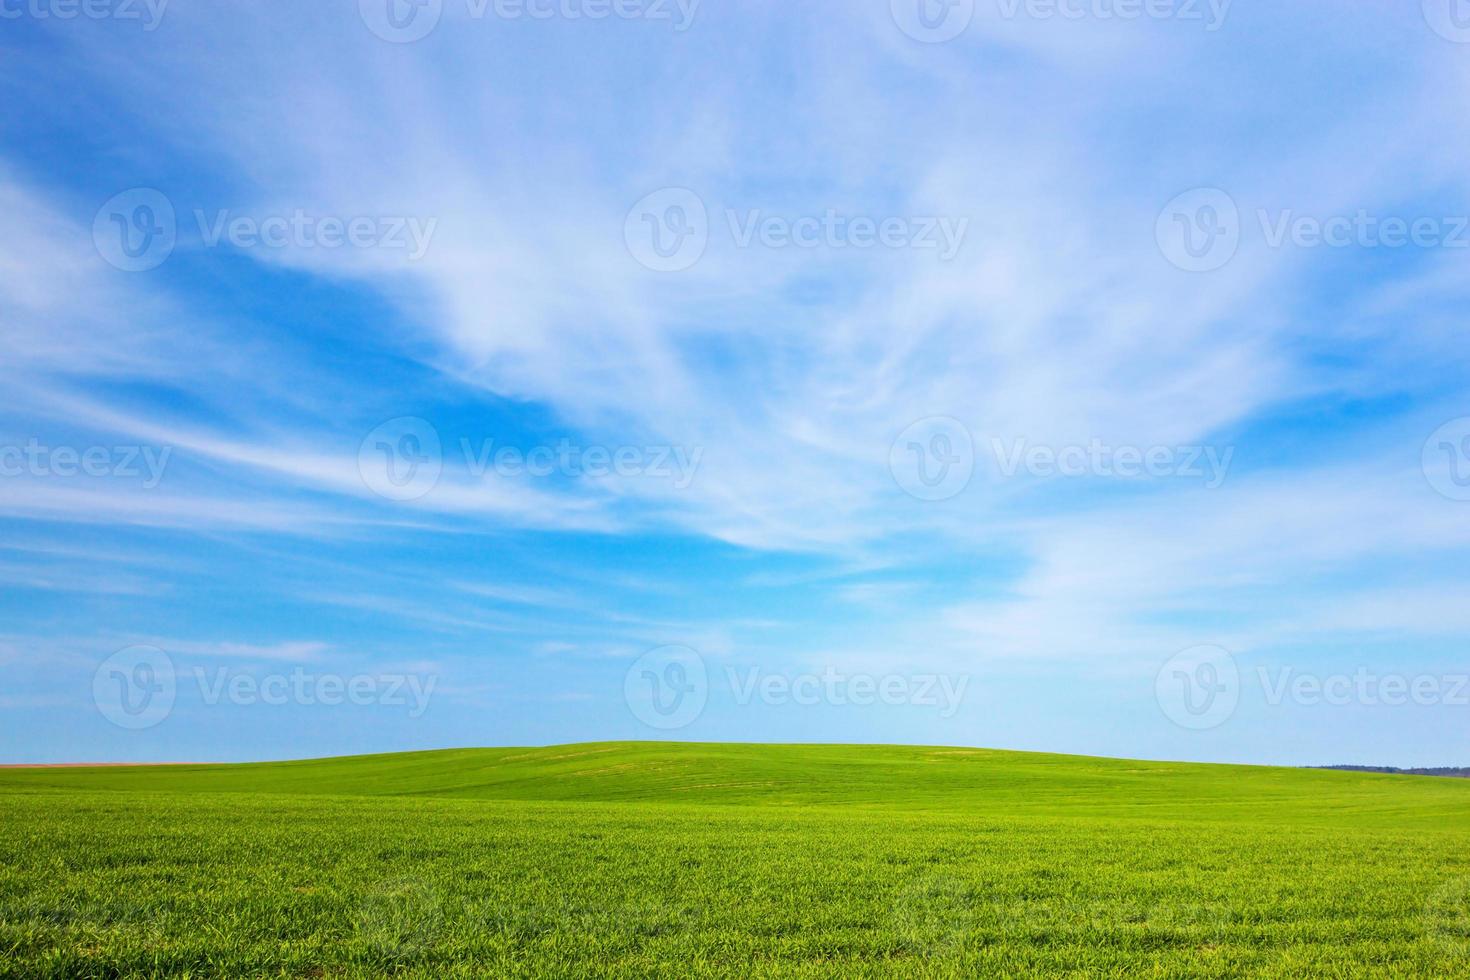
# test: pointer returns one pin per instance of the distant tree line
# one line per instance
(1455, 772)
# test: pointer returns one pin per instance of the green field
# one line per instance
(634, 859)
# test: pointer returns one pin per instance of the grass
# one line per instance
(731, 860)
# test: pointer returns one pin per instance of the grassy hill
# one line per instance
(662, 859)
(932, 778)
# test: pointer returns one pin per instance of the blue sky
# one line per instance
(1083, 378)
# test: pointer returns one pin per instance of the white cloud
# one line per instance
(1058, 322)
